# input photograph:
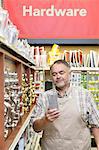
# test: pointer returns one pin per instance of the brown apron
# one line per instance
(69, 131)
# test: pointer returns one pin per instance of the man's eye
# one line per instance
(53, 74)
(61, 72)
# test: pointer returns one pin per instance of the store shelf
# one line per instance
(13, 62)
(42, 68)
(72, 68)
(84, 69)
(18, 131)
(14, 52)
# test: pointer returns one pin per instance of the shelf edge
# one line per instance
(18, 136)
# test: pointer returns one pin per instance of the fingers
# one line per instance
(52, 114)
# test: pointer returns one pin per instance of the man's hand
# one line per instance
(97, 148)
(52, 114)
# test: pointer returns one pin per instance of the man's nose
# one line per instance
(58, 75)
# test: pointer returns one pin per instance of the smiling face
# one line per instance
(60, 75)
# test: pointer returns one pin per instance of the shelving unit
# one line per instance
(12, 61)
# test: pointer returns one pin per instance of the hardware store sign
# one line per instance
(58, 19)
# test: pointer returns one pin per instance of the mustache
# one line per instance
(59, 80)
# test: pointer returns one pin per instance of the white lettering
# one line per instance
(83, 12)
(36, 12)
(27, 10)
(42, 12)
(60, 12)
(50, 11)
(76, 11)
(69, 12)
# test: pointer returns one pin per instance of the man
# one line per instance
(66, 114)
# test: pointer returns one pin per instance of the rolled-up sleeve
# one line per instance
(93, 112)
(40, 107)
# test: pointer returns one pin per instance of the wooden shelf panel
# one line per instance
(14, 58)
(15, 53)
(1, 101)
(17, 132)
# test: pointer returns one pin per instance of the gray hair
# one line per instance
(60, 61)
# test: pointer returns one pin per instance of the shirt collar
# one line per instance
(66, 94)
